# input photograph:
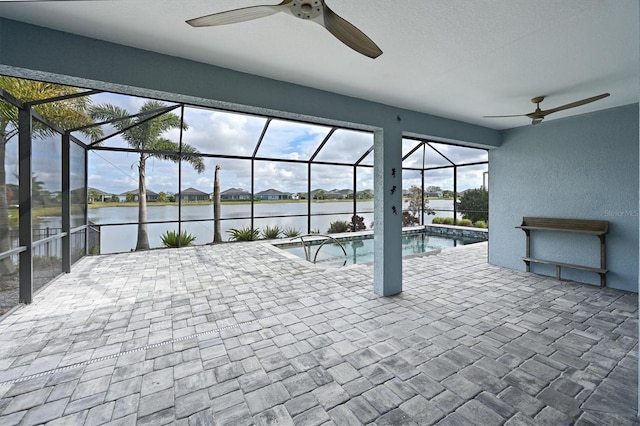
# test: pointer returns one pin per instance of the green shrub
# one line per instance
(474, 205)
(447, 221)
(290, 232)
(338, 226)
(481, 224)
(172, 239)
(438, 220)
(464, 222)
(270, 233)
(244, 234)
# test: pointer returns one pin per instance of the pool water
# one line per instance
(360, 249)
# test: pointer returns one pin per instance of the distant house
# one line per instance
(97, 196)
(407, 193)
(273, 194)
(334, 195)
(338, 194)
(348, 193)
(151, 196)
(235, 194)
(434, 191)
(367, 194)
(192, 194)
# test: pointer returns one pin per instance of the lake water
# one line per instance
(122, 238)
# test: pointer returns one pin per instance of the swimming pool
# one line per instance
(360, 248)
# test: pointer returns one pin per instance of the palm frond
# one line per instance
(168, 146)
(195, 160)
(68, 114)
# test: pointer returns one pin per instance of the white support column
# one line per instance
(387, 266)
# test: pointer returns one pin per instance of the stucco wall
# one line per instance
(580, 167)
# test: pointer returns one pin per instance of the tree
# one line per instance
(68, 114)
(162, 197)
(217, 234)
(365, 194)
(320, 195)
(114, 198)
(148, 135)
(40, 197)
(474, 205)
(418, 204)
(94, 196)
(129, 198)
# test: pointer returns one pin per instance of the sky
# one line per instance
(225, 133)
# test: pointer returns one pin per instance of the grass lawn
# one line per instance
(98, 205)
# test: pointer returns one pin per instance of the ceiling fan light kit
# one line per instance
(539, 114)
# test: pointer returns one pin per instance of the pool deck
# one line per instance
(240, 334)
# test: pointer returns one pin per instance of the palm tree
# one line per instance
(217, 235)
(68, 114)
(148, 136)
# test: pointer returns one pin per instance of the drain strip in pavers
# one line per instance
(119, 354)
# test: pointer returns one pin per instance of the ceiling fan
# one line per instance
(313, 10)
(539, 114)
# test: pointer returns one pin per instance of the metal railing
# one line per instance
(315, 237)
(47, 242)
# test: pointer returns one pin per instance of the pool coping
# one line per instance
(281, 244)
(444, 230)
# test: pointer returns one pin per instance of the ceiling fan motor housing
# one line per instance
(306, 9)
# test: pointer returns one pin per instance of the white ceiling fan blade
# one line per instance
(47, 1)
(349, 34)
(238, 15)
(575, 104)
(504, 116)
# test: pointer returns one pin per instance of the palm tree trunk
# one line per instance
(6, 265)
(217, 237)
(143, 235)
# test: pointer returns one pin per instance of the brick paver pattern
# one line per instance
(242, 334)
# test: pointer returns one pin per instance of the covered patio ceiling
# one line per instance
(456, 59)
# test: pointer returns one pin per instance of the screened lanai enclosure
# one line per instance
(71, 184)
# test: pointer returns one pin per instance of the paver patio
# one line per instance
(242, 334)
